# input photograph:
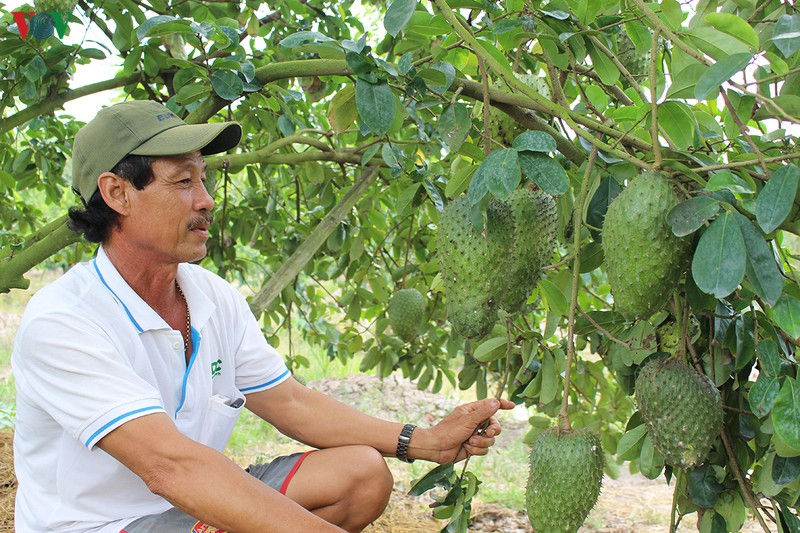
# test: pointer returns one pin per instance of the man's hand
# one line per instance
(443, 441)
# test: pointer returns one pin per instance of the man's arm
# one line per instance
(323, 422)
(202, 482)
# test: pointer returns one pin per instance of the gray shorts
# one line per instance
(277, 474)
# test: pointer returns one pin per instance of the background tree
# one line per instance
(354, 143)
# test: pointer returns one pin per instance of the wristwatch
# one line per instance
(403, 441)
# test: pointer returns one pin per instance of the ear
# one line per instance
(114, 190)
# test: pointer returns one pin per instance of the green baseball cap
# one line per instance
(141, 127)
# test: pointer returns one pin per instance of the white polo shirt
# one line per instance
(91, 355)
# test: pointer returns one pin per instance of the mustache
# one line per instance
(204, 219)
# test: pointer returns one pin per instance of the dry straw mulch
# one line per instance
(8, 481)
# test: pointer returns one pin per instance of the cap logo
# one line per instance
(165, 116)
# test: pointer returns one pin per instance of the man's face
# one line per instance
(169, 218)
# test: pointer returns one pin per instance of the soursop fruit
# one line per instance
(406, 313)
(472, 263)
(637, 63)
(61, 6)
(644, 259)
(503, 127)
(535, 225)
(566, 472)
(682, 409)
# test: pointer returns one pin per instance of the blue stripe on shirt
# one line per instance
(268, 383)
(120, 417)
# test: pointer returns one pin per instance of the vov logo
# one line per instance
(41, 25)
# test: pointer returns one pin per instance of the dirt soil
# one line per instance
(630, 504)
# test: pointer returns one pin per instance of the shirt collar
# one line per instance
(141, 315)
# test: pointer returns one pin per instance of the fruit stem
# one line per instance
(744, 485)
(504, 380)
(673, 525)
(577, 212)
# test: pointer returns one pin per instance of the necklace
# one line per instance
(188, 333)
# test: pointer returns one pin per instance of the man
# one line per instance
(132, 369)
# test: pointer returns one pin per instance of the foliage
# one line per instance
(318, 97)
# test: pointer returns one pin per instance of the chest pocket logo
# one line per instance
(216, 368)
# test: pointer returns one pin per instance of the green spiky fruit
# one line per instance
(682, 409)
(472, 264)
(566, 472)
(503, 127)
(669, 336)
(535, 224)
(406, 313)
(62, 6)
(644, 259)
(638, 64)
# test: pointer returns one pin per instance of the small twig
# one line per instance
(563, 415)
(602, 330)
(743, 483)
(653, 102)
(673, 525)
(487, 134)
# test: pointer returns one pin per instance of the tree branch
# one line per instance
(303, 254)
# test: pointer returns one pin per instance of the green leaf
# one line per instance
(405, 198)
(342, 111)
(303, 37)
(763, 394)
(35, 68)
(785, 469)
(704, 489)
(790, 103)
(734, 26)
(490, 349)
(549, 378)
(687, 217)
(786, 315)
(727, 180)
(604, 67)
(92, 53)
(719, 260)
(642, 342)
(718, 73)
(761, 269)
(227, 84)
(786, 36)
(768, 354)
(434, 193)
(630, 444)
(501, 172)
(776, 198)
(786, 413)
(397, 15)
(554, 297)
(544, 171)
(454, 125)
(459, 180)
(369, 153)
(375, 106)
(534, 141)
(449, 73)
(678, 122)
(598, 205)
(146, 26)
(684, 82)
(651, 461)
(437, 475)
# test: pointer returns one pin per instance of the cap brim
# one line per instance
(207, 138)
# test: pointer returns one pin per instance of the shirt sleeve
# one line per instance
(72, 370)
(259, 366)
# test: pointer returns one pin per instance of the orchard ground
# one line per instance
(630, 503)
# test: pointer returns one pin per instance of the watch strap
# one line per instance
(403, 441)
